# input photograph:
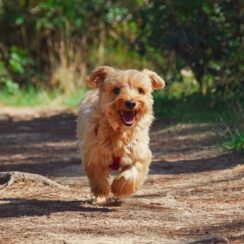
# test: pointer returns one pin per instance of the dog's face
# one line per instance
(125, 95)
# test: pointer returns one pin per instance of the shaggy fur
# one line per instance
(113, 125)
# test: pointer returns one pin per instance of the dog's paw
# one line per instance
(101, 200)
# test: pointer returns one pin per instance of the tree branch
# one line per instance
(10, 177)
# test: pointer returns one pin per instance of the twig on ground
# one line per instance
(211, 239)
(10, 177)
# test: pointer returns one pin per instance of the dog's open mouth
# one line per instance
(128, 117)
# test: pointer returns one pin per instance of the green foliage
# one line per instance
(26, 97)
(235, 142)
(193, 108)
(39, 97)
(19, 60)
(10, 86)
(203, 35)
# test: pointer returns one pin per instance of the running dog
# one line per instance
(113, 129)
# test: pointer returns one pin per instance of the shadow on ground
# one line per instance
(222, 162)
(34, 207)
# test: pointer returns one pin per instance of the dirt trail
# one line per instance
(194, 190)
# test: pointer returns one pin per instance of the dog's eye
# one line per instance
(116, 90)
(141, 91)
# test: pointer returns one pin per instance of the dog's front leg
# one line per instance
(129, 180)
(99, 182)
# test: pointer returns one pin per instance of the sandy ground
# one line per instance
(195, 189)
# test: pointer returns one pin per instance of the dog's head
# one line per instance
(125, 95)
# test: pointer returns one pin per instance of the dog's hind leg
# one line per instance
(129, 180)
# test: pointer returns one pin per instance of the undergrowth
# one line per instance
(228, 114)
(32, 97)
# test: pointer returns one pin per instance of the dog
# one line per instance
(113, 130)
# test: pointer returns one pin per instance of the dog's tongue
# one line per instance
(128, 117)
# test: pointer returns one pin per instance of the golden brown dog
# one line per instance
(113, 129)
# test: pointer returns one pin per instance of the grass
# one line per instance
(192, 109)
(31, 97)
(235, 142)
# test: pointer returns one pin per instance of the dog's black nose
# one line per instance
(130, 104)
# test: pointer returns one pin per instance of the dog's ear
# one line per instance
(157, 81)
(98, 76)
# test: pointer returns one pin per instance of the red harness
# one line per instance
(116, 160)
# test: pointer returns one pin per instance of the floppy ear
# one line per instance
(98, 76)
(157, 81)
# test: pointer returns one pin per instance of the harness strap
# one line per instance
(115, 165)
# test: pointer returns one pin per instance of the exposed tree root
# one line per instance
(211, 239)
(10, 177)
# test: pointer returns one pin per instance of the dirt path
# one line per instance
(195, 190)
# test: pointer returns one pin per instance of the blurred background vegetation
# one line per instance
(47, 47)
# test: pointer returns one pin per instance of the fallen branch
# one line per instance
(10, 177)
